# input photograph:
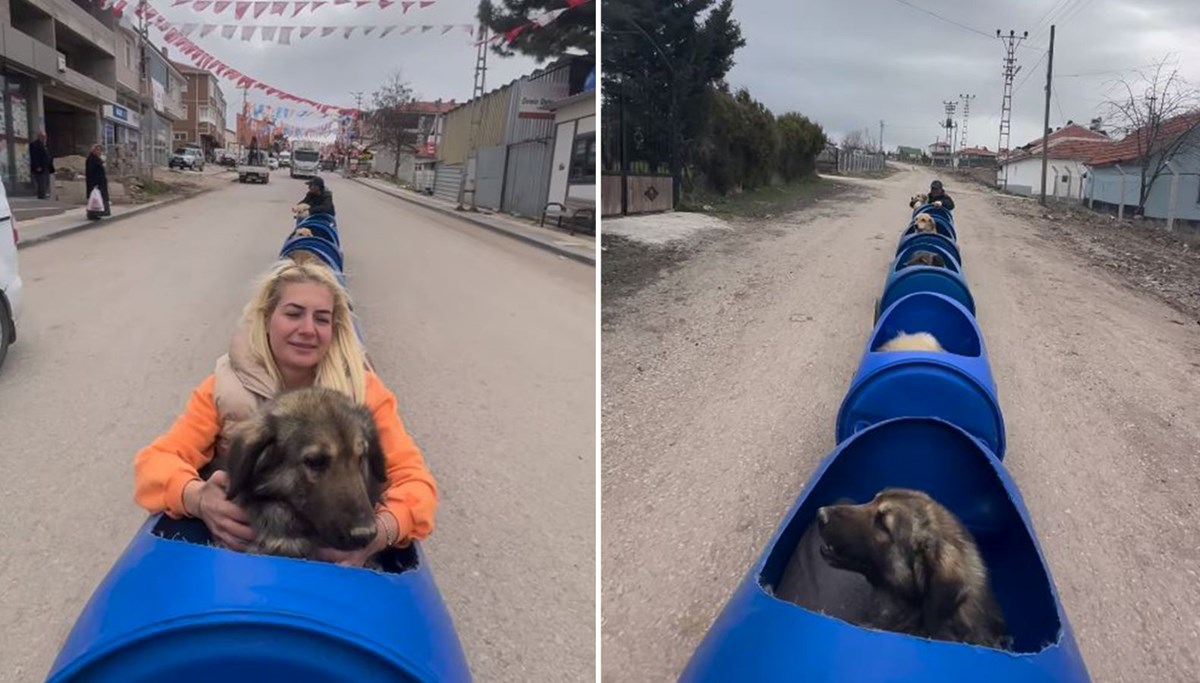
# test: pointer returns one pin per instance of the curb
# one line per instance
(90, 224)
(566, 253)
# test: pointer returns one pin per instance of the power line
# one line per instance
(1038, 26)
(1029, 73)
(948, 21)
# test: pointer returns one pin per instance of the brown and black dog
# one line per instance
(925, 223)
(308, 469)
(925, 258)
(928, 577)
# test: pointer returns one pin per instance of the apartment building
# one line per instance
(142, 119)
(203, 122)
(59, 68)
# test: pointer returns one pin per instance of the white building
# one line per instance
(1069, 148)
(573, 170)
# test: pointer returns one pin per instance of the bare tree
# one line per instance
(1162, 115)
(391, 126)
(859, 139)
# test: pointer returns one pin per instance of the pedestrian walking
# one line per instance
(96, 177)
(41, 164)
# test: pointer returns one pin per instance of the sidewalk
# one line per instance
(581, 248)
(38, 230)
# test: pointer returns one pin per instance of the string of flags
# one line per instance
(534, 23)
(257, 8)
(284, 35)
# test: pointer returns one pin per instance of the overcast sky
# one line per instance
(329, 69)
(849, 64)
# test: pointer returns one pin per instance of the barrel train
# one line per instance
(909, 555)
(173, 607)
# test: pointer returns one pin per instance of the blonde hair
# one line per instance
(343, 367)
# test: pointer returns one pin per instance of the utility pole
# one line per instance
(1046, 124)
(948, 124)
(476, 121)
(143, 32)
(357, 130)
(1010, 71)
(966, 100)
(881, 136)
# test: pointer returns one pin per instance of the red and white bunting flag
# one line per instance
(228, 30)
(268, 33)
(347, 31)
(426, 28)
(576, 3)
(407, 30)
(207, 29)
(188, 29)
(248, 32)
(278, 8)
(547, 17)
(177, 3)
(285, 34)
(342, 2)
(425, 3)
(469, 28)
(359, 4)
(387, 30)
(220, 5)
(318, 3)
(260, 7)
(384, 4)
(447, 28)
(367, 30)
(327, 31)
(407, 5)
(298, 7)
(239, 10)
(305, 30)
(201, 5)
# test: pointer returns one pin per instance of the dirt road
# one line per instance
(721, 382)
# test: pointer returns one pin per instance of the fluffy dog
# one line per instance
(925, 258)
(928, 577)
(917, 341)
(918, 200)
(300, 211)
(924, 223)
(308, 469)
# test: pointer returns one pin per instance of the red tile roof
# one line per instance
(1128, 148)
(1072, 131)
(978, 151)
(428, 107)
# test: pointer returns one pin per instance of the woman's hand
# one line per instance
(356, 558)
(224, 518)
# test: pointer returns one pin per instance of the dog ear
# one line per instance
(945, 588)
(252, 450)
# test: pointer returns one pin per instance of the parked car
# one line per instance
(187, 157)
(10, 276)
(273, 163)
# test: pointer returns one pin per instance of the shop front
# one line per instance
(17, 130)
(122, 138)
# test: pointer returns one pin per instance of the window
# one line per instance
(583, 160)
(128, 55)
(180, 137)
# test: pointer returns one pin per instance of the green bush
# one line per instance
(800, 141)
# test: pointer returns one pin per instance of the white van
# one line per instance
(10, 277)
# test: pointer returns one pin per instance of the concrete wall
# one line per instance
(1028, 173)
(1105, 187)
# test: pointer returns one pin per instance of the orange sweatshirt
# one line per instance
(162, 469)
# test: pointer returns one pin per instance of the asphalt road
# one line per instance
(488, 343)
(721, 383)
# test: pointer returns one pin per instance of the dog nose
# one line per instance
(822, 517)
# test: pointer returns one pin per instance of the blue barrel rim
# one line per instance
(912, 271)
(952, 263)
(907, 239)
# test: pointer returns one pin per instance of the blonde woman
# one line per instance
(296, 332)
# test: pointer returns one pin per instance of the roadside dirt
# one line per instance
(725, 360)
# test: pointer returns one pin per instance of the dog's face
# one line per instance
(925, 223)
(318, 454)
(926, 258)
(919, 199)
(903, 542)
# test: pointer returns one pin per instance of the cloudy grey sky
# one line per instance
(329, 69)
(849, 64)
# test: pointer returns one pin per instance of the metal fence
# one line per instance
(849, 161)
(635, 143)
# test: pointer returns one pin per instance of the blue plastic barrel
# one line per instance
(916, 238)
(906, 252)
(904, 281)
(327, 251)
(174, 609)
(943, 228)
(956, 385)
(938, 212)
(323, 229)
(763, 634)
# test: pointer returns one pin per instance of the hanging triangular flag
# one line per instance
(228, 30)
(268, 33)
(407, 30)
(318, 3)
(547, 17)
(347, 31)
(107, 4)
(201, 5)
(239, 10)
(358, 4)
(188, 29)
(248, 32)
(447, 28)
(367, 30)
(426, 28)
(220, 5)
(387, 30)
(384, 4)
(327, 30)
(177, 3)
(512, 34)
(575, 3)
(207, 29)
(469, 28)
(425, 3)
(299, 6)
(407, 5)
(278, 8)
(260, 7)
(305, 30)
(285, 34)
